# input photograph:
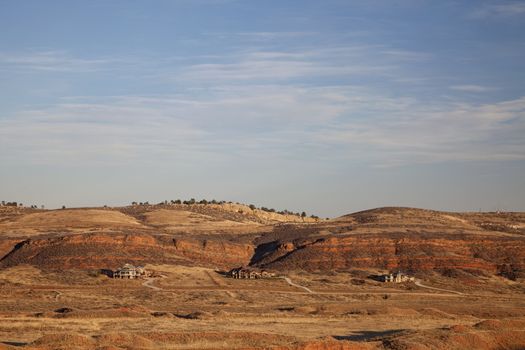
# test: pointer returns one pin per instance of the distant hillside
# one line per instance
(169, 218)
(228, 235)
(402, 238)
(406, 218)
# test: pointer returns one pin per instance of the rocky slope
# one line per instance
(402, 238)
(224, 236)
(93, 250)
(407, 252)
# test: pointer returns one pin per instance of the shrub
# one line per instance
(93, 273)
(357, 281)
(509, 271)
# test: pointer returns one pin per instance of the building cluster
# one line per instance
(128, 271)
(249, 273)
(397, 277)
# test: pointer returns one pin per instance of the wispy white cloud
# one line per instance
(499, 9)
(472, 88)
(272, 121)
(259, 65)
(262, 37)
(54, 61)
(407, 55)
(272, 36)
(262, 101)
(428, 134)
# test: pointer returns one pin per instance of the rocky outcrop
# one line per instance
(385, 238)
(220, 253)
(84, 251)
(112, 250)
(399, 238)
(7, 245)
(408, 252)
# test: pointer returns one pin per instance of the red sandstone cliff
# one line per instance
(387, 238)
(409, 253)
(112, 250)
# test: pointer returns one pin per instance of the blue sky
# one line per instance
(325, 106)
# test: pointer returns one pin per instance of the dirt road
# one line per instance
(419, 284)
(273, 289)
(148, 283)
(289, 281)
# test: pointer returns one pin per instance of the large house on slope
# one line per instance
(397, 277)
(129, 271)
(249, 273)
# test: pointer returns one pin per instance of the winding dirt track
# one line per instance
(273, 289)
(148, 283)
(247, 289)
(289, 281)
(418, 283)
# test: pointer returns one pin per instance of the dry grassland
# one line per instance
(198, 308)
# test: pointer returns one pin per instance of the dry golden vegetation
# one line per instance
(198, 308)
(470, 290)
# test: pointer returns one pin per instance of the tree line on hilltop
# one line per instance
(193, 201)
(16, 204)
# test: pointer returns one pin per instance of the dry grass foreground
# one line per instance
(43, 306)
(197, 308)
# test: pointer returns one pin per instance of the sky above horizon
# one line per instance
(327, 106)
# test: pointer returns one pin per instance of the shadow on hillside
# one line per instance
(368, 335)
(263, 250)
(13, 343)
(15, 248)
(378, 278)
(222, 273)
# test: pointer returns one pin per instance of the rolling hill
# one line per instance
(225, 236)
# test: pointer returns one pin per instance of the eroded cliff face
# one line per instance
(112, 250)
(7, 245)
(220, 253)
(400, 238)
(385, 238)
(408, 253)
